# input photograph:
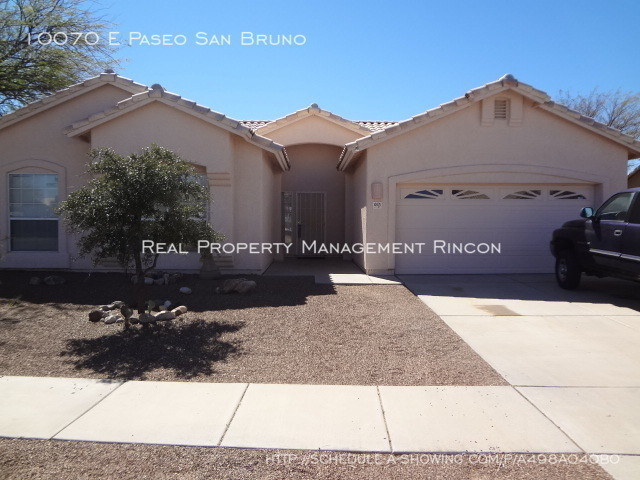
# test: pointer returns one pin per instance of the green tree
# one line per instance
(151, 195)
(34, 62)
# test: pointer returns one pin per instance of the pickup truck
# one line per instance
(604, 243)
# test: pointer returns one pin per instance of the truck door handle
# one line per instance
(617, 233)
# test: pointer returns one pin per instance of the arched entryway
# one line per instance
(313, 196)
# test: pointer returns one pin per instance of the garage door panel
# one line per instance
(521, 227)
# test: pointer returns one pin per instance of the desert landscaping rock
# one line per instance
(181, 310)
(163, 316)
(109, 319)
(185, 290)
(289, 330)
(95, 315)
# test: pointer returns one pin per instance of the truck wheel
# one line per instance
(568, 270)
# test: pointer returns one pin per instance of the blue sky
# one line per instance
(377, 60)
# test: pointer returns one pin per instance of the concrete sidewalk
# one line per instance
(326, 417)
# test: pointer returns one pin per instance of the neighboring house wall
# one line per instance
(38, 145)
(542, 149)
(634, 180)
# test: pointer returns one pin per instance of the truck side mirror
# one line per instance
(587, 212)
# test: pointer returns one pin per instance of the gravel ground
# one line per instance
(47, 459)
(289, 330)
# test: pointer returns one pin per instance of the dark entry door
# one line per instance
(303, 220)
(310, 222)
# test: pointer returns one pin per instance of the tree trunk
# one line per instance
(140, 286)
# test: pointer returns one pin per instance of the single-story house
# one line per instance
(475, 185)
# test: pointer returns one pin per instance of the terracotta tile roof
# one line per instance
(506, 82)
(371, 125)
(375, 125)
(158, 93)
(314, 109)
(254, 124)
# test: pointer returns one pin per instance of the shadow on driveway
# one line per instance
(534, 287)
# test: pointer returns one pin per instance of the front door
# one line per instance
(304, 221)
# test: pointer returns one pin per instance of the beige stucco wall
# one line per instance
(357, 207)
(311, 129)
(544, 148)
(313, 144)
(634, 180)
(239, 174)
(38, 145)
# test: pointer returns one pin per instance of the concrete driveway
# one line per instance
(574, 355)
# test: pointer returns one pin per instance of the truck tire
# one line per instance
(568, 270)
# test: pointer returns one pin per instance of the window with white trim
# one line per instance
(33, 223)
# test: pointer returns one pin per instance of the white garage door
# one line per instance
(483, 228)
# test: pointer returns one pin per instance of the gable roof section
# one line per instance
(312, 110)
(71, 92)
(158, 94)
(371, 125)
(507, 82)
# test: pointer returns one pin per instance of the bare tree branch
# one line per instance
(31, 69)
(616, 109)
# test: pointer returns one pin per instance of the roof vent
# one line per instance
(109, 70)
(501, 109)
(314, 105)
(157, 86)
